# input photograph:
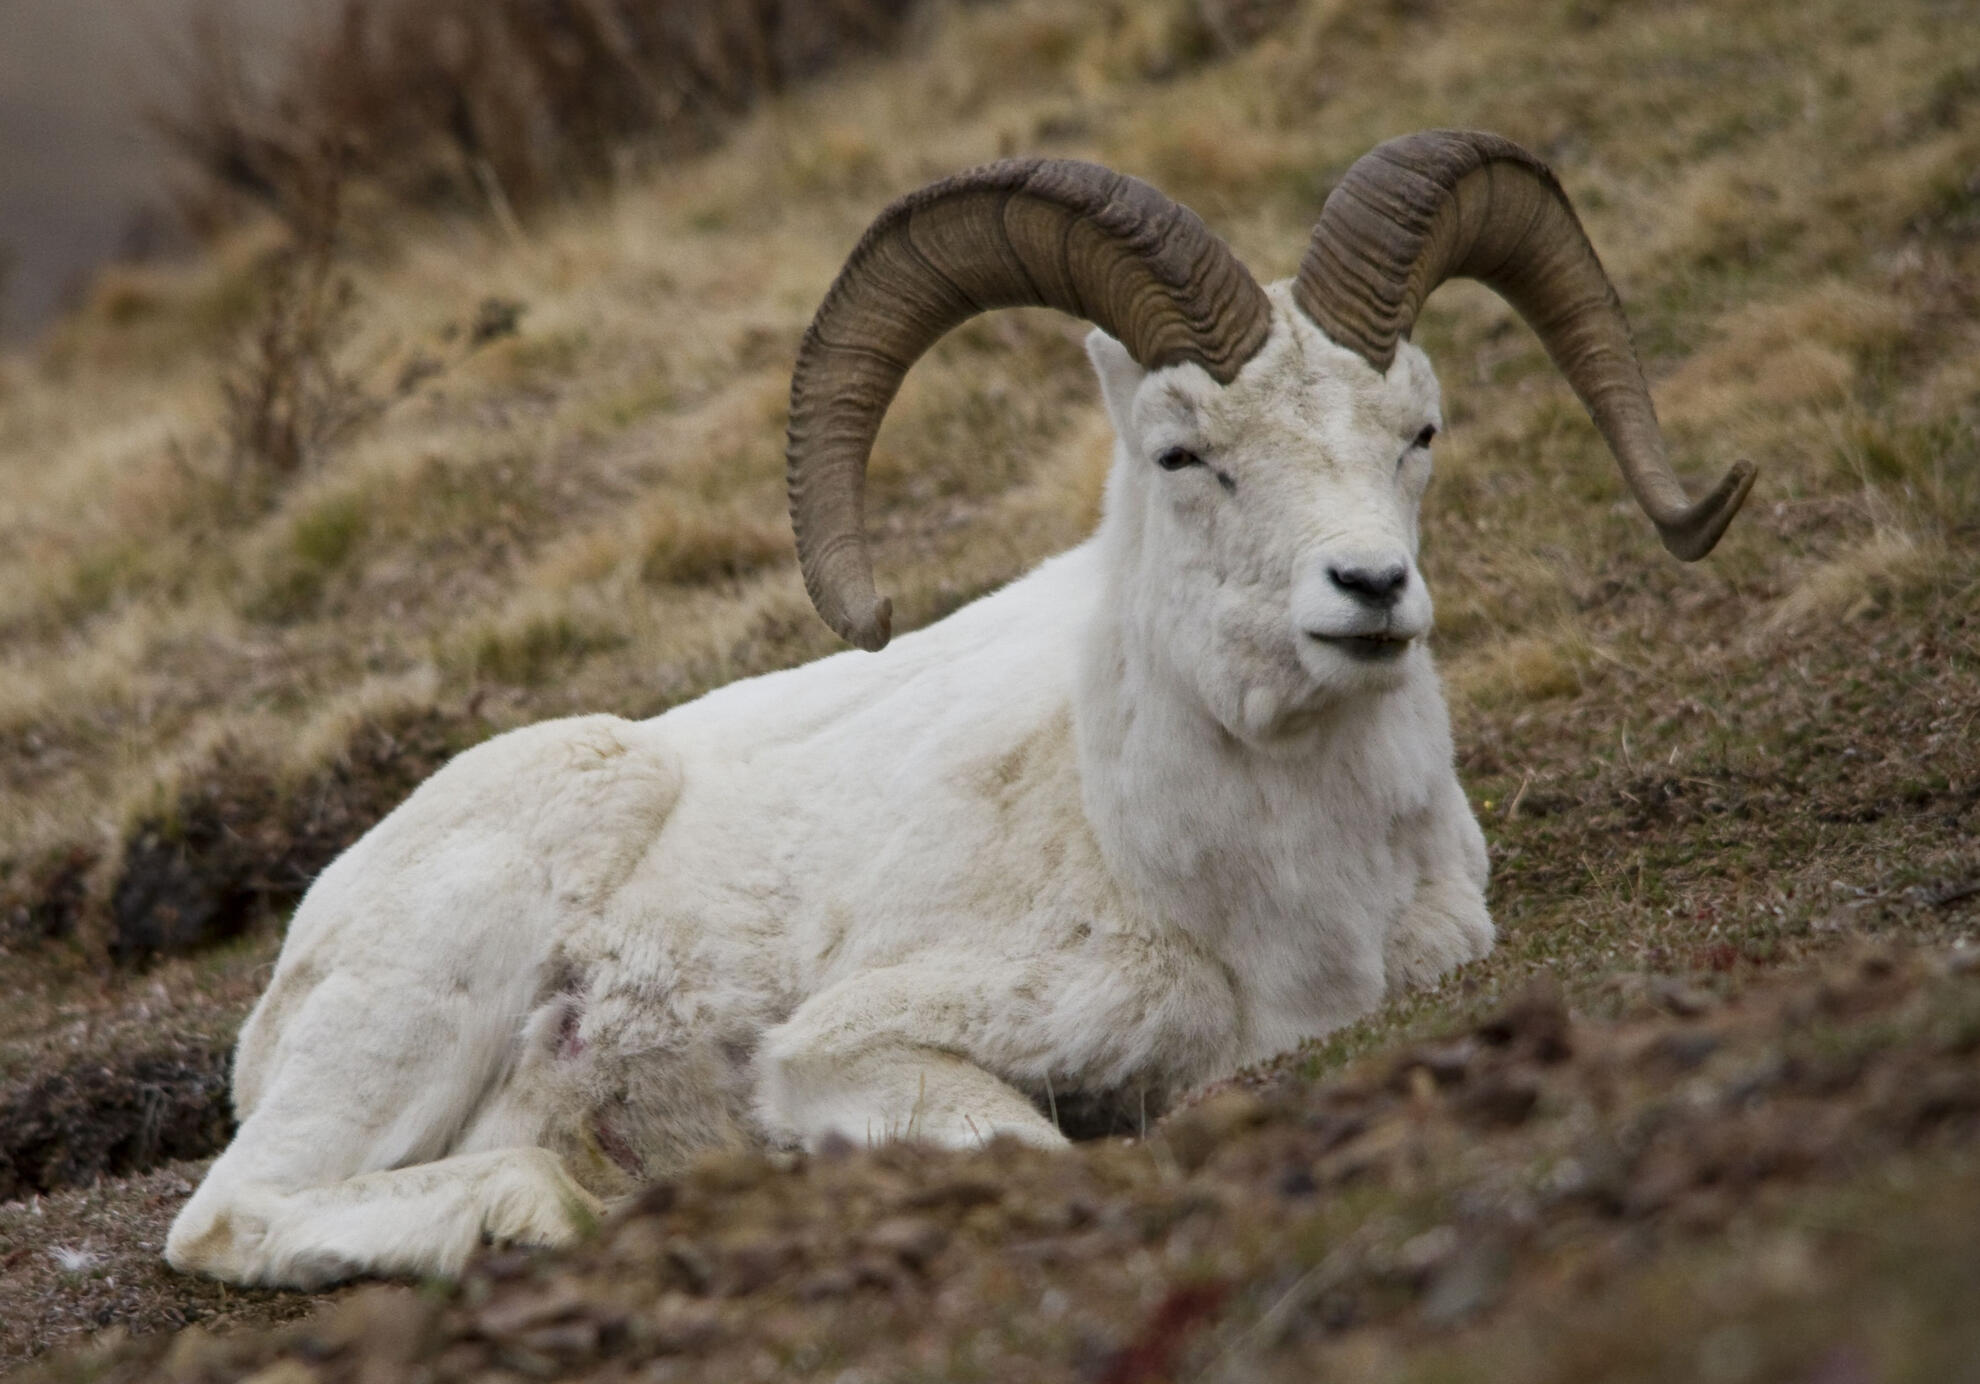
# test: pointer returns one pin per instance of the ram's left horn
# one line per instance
(1445, 204)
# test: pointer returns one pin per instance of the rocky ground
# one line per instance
(1707, 1186)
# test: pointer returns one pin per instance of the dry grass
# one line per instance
(1710, 772)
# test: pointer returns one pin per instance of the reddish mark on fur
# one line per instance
(615, 1147)
(570, 1043)
(1151, 1355)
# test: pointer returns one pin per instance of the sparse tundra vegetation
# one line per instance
(290, 525)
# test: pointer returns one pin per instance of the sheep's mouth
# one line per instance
(1365, 648)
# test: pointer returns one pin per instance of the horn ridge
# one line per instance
(1021, 232)
(1444, 204)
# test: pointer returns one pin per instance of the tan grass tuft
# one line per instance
(533, 640)
(1862, 582)
(1806, 350)
(331, 726)
(1523, 668)
(694, 548)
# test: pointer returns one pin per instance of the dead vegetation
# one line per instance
(287, 397)
(86, 1260)
(1283, 1228)
(564, 493)
(93, 1120)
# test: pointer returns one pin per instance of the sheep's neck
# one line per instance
(1278, 861)
(1194, 811)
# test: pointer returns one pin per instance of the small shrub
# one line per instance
(101, 576)
(286, 397)
(324, 537)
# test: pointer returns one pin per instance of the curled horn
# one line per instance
(1046, 232)
(1457, 203)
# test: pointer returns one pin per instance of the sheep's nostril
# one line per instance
(1377, 586)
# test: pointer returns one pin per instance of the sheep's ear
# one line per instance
(1120, 376)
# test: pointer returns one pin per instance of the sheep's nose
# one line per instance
(1378, 586)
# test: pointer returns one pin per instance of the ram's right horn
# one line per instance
(1446, 204)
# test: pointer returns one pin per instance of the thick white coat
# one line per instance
(1146, 815)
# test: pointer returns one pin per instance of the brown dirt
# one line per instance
(235, 846)
(109, 1119)
(1237, 1239)
(238, 846)
(78, 1261)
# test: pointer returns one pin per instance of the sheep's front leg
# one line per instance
(1446, 924)
(879, 1057)
(351, 1100)
(412, 1222)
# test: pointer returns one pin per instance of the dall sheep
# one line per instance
(1177, 800)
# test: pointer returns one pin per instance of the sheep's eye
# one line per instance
(1429, 431)
(1175, 458)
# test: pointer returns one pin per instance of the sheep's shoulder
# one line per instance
(576, 800)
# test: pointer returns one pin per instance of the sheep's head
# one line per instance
(1273, 445)
(1264, 531)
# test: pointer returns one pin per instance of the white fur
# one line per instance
(1121, 827)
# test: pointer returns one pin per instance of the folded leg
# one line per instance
(417, 1222)
(882, 1056)
(1446, 923)
(340, 1165)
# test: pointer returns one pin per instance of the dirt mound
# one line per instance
(109, 1119)
(1265, 1230)
(237, 844)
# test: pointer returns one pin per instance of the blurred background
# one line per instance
(82, 168)
(129, 129)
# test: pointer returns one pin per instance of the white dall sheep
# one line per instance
(1175, 801)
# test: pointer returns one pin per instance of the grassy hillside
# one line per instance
(287, 527)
